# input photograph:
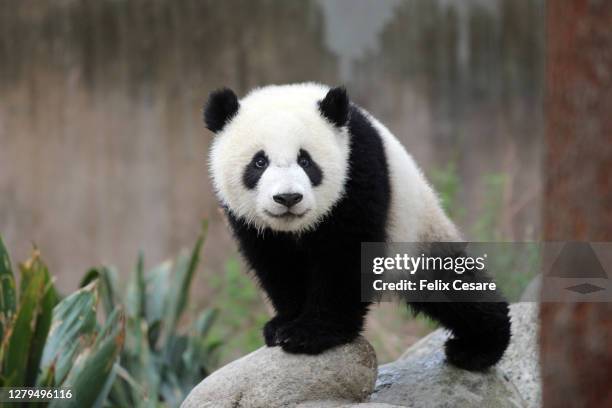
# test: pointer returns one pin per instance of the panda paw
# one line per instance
(304, 337)
(270, 330)
(472, 355)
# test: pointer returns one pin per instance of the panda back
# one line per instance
(415, 213)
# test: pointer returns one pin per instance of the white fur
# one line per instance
(283, 119)
(415, 213)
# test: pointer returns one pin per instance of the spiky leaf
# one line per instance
(73, 317)
(198, 354)
(7, 290)
(179, 287)
(157, 282)
(104, 392)
(142, 363)
(18, 339)
(43, 319)
(135, 297)
(107, 278)
(89, 375)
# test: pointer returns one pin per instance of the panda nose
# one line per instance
(288, 199)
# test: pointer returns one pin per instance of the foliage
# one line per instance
(159, 365)
(48, 342)
(487, 226)
(238, 299)
(448, 186)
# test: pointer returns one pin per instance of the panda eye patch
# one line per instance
(310, 167)
(255, 169)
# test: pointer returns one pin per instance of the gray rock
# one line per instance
(422, 378)
(521, 361)
(339, 404)
(270, 378)
(343, 377)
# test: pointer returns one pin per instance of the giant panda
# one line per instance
(305, 176)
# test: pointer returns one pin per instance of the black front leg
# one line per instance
(322, 324)
(287, 292)
(333, 313)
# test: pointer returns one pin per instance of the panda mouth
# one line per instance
(287, 215)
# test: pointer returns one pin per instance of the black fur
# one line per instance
(252, 173)
(312, 169)
(313, 279)
(221, 107)
(335, 106)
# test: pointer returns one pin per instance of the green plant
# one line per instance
(447, 184)
(241, 311)
(158, 363)
(487, 226)
(48, 342)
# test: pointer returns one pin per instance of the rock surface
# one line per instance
(421, 378)
(270, 378)
(340, 404)
(343, 377)
(521, 362)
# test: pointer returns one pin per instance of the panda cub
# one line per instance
(305, 176)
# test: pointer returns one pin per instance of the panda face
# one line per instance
(277, 161)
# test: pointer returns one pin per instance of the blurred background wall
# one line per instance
(102, 147)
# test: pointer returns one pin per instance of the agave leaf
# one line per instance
(73, 317)
(174, 353)
(43, 321)
(204, 322)
(157, 282)
(48, 380)
(153, 334)
(179, 288)
(130, 360)
(198, 354)
(171, 390)
(90, 372)
(18, 339)
(107, 278)
(135, 297)
(124, 388)
(90, 276)
(143, 367)
(7, 290)
(99, 403)
(114, 322)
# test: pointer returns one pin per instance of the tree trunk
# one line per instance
(576, 338)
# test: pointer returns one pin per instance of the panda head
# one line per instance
(279, 159)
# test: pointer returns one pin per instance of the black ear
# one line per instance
(221, 107)
(335, 106)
